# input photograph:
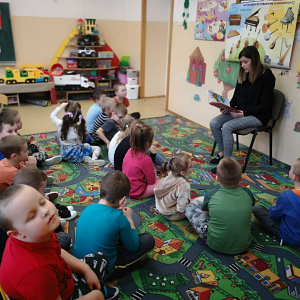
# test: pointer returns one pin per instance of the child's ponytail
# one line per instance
(141, 136)
(74, 118)
(124, 127)
(178, 163)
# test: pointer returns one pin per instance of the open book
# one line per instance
(220, 102)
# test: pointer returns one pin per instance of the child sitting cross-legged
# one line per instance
(282, 219)
(34, 266)
(102, 225)
(14, 149)
(71, 131)
(34, 148)
(108, 130)
(137, 165)
(224, 219)
(172, 194)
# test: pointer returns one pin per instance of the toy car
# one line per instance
(85, 51)
(87, 40)
(87, 63)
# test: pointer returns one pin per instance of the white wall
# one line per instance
(127, 10)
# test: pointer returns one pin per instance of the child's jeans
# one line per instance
(262, 214)
(150, 189)
(98, 262)
(198, 219)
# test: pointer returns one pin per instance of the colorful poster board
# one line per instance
(268, 25)
(211, 20)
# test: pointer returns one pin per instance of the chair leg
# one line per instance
(214, 148)
(270, 146)
(249, 151)
(237, 142)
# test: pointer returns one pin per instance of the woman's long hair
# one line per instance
(73, 118)
(257, 68)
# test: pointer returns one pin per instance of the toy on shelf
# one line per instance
(85, 51)
(57, 70)
(88, 40)
(70, 38)
(72, 63)
(80, 26)
(87, 63)
(111, 74)
(73, 81)
(90, 26)
(124, 64)
(104, 64)
(25, 75)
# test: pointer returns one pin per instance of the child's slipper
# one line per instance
(52, 160)
(52, 196)
(97, 162)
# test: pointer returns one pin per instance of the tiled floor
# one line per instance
(36, 119)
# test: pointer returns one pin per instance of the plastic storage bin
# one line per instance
(122, 78)
(132, 91)
(132, 81)
(105, 64)
(132, 73)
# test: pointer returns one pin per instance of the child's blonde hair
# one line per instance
(124, 127)
(108, 103)
(141, 136)
(117, 85)
(120, 108)
(178, 163)
(229, 172)
(296, 168)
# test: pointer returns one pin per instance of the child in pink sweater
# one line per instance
(137, 165)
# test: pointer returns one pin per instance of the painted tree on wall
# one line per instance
(226, 72)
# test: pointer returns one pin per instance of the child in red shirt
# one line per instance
(33, 265)
(137, 165)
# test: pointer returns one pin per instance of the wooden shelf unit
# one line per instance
(83, 46)
(90, 69)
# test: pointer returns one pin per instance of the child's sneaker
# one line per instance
(87, 159)
(97, 162)
(110, 292)
(52, 160)
(50, 180)
(64, 213)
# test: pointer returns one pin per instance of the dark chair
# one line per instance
(278, 103)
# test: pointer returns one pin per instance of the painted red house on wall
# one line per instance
(197, 68)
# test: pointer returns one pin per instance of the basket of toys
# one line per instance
(57, 70)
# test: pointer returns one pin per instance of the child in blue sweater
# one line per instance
(282, 219)
(103, 225)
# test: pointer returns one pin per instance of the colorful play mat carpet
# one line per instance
(181, 266)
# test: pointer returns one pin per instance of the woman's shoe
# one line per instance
(216, 160)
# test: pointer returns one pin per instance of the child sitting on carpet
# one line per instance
(44, 270)
(224, 219)
(124, 131)
(121, 93)
(282, 219)
(95, 110)
(71, 131)
(107, 106)
(14, 149)
(172, 194)
(34, 147)
(103, 226)
(137, 165)
(7, 127)
(108, 130)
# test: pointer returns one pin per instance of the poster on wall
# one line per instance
(268, 25)
(211, 20)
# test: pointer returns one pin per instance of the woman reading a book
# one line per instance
(253, 97)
